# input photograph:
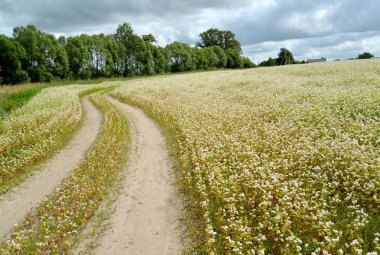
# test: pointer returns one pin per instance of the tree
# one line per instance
(79, 56)
(202, 61)
(115, 59)
(124, 33)
(269, 62)
(234, 59)
(181, 57)
(215, 37)
(285, 57)
(149, 38)
(62, 40)
(99, 53)
(45, 57)
(160, 60)
(213, 59)
(11, 55)
(247, 63)
(365, 55)
(221, 55)
(138, 57)
(39, 56)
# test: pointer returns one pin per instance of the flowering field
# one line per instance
(31, 133)
(282, 160)
(54, 226)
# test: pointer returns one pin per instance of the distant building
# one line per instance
(316, 60)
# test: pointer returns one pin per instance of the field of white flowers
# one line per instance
(31, 133)
(282, 160)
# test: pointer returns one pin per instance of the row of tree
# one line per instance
(285, 57)
(39, 57)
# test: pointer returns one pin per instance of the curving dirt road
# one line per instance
(147, 215)
(16, 203)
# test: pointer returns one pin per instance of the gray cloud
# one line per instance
(336, 46)
(331, 28)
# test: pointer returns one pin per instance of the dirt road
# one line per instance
(16, 203)
(147, 215)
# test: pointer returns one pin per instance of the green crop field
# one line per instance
(280, 160)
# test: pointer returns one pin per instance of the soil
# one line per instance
(147, 215)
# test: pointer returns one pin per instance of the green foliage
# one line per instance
(234, 59)
(285, 57)
(45, 57)
(161, 63)
(124, 33)
(16, 100)
(181, 57)
(40, 57)
(140, 58)
(149, 38)
(79, 57)
(247, 63)
(221, 55)
(269, 62)
(115, 58)
(365, 55)
(215, 37)
(11, 55)
(201, 58)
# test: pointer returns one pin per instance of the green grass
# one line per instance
(13, 101)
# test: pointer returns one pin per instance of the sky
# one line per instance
(335, 29)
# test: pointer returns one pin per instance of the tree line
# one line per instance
(36, 56)
(285, 57)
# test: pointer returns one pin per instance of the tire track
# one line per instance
(147, 213)
(16, 203)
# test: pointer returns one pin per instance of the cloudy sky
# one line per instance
(309, 28)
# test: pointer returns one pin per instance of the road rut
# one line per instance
(146, 219)
(16, 203)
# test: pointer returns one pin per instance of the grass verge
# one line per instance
(54, 226)
(12, 101)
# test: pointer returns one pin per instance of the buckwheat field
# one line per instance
(280, 160)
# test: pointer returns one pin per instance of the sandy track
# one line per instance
(147, 215)
(16, 203)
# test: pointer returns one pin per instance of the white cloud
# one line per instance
(336, 46)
